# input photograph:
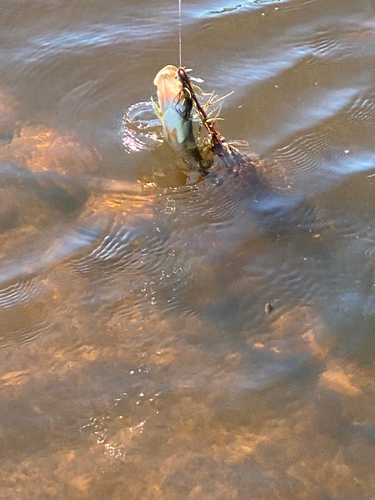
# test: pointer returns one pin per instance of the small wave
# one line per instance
(27, 309)
(257, 5)
(326, 45)
(362, 111)
(19, 293)
(204, 202)
(308, 156)
(123, 246)
(140, 128)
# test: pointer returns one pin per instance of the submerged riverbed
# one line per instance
(139, 355)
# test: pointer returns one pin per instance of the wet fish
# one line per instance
(177, 98)
(175, 107)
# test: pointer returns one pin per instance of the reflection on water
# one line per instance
(138, 356)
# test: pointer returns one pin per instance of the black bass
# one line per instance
(177, 97)
(175, 107)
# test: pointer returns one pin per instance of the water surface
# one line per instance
(138, 356)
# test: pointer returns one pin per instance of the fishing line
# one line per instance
(179, 33)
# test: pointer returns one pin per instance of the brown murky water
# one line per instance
(138, 358)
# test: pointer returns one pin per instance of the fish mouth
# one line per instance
(173, 110)
(169, 87)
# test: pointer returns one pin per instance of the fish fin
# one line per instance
(157, 110)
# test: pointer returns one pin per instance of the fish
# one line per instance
(174, 110)
(177, 99)
(220, 161)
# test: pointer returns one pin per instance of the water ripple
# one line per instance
(28, 308)
(86, 37)
(326, 45)
(19, 293)
(309, 152)
(362, 111)
(140, 128)
(228, 8)
(204, 203)
(122, 246)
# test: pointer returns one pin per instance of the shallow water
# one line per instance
(138, 356)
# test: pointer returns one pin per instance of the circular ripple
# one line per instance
(140, 127)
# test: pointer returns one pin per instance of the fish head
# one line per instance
(169, 87)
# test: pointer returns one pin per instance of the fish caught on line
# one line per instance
(177, 99)
(175, 108)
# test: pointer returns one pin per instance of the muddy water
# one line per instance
(139, 358)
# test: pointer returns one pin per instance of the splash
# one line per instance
(140, 129)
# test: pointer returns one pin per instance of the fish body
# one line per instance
(175, 106)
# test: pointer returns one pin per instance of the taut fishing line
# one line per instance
(179, 32)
